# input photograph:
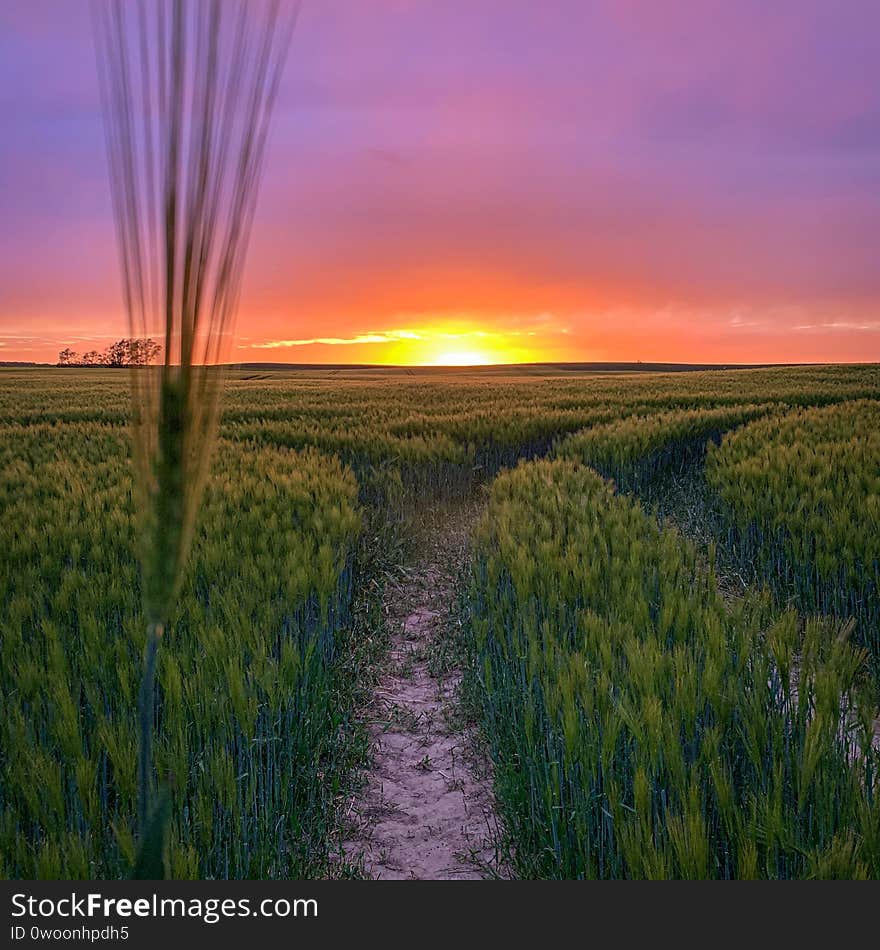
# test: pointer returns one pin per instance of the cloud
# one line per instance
(739, 322)
(397, 336)
(863, 326)
(386, 336)
(388, 155)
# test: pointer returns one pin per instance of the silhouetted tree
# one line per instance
(118, 354)
(143, 352)
(127, 352)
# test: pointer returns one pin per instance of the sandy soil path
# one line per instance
(427, 810)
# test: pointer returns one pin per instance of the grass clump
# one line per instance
(634, 450)
(800, 503)
(251, 712)
(640, 727)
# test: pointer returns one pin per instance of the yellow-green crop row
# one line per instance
(249, 731)
(440, 433)
(801, 497)
(642, 728)
(634, 450)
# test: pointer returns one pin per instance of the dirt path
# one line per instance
(427, 810)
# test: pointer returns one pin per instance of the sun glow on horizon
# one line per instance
(413, 344)
(462, 358)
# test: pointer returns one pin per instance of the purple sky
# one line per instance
(560, 180)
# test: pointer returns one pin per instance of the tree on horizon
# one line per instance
(123, 353)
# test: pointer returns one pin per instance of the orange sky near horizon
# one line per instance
(622, 333)
(496, 181)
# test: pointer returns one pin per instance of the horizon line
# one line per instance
(644, 365)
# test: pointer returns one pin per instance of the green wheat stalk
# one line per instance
(188, 90)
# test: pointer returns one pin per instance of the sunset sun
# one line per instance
(462, 358)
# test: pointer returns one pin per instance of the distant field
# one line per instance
(495, 369)
(640, 723)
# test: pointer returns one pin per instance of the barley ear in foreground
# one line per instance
(188, 89)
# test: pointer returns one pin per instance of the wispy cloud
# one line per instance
(741, 321)
(384, 336)
(391, 336)
(388, 155)
(54, 337)
(863, 326)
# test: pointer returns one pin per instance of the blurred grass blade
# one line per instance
(152, 853)
(188, 90)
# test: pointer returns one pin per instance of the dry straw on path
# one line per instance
(188, 90)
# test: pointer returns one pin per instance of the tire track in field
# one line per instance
(427, 811)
